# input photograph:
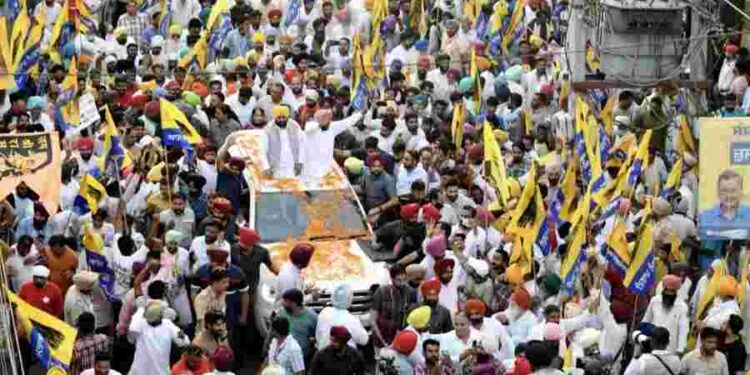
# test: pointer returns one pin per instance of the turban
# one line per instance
(258, 37)
(40, 271)
(661, 207)
(85, 144)
(324, 116)
(120, 31)
(522, 298)
(536, 41)
(430, 213)
(480, 267)
(620, 311)
(84, 280)
(301, 254)
(200, 89)
(222, 205)
(218, 255)
(466, 84)
(312, 95)
(547, 89)
(420, 317)
(152, 110)
(248, 237)
(173, 236)
(444, 264)
(40, 210)
(436, 246)
(483, 63)
(153, 312)
(223, 357)
(483, 216)
(375, 158)
(424, 62)
(671, 282)
(175, 30)
(430, 286)
(341, 333)
(553, 332)
(342, 296)
(409, 211)
(191, 98)
(354, 165)
(476, 152)
(728, 287)
(36, 102)
(237, 162)
(421, 45)
(475, 307)
(405, 342)
(500, 135)
(551, 283)
(414, 270)
(514, 73)
(514, 274)
(280, 111)
(731, 49)
(274, 12)
(285, 38)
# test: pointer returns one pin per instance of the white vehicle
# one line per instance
(324, 212)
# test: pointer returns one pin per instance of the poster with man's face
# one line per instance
(724, 175)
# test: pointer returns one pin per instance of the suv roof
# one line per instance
(248, 147)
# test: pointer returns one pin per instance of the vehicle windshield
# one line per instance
(308, 215)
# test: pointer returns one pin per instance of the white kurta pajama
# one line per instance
(317, 150)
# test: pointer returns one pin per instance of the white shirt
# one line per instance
(286, 160)
(184, 10)
(318, 145)
(20, 271)
(123, 267)
(719, 313)
(290, 277)
(331, 316)
(675, 320)
(68, 193)
(199, 248)
(454, 346)
(479, 241)
(50, 13)
(152, 346)
(288, 355)
(490, 326)
(243, 111)
(405, 177)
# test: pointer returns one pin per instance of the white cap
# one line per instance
(40, 271)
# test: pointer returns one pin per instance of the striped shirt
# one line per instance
(85, 349)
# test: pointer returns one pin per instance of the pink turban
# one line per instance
(436, 246)
(553, 332)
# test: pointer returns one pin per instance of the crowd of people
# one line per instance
(512, 233)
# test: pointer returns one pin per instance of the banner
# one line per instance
(724, 190)
(50, 338)
(35, 160)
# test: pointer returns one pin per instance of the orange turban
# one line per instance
(430, 286)
(728, 287)
(475, 306)
(522, 298)
(514, 274)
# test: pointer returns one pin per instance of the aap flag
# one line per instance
(724, 190)
(35, 160)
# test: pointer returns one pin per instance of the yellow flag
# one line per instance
(494, 157)
(618, 241)
(675, 254)
(6, 79)
(457, 125)
(21, 27)
(199, 52)
(45, 330)
(92, 191)
(527, 195)
(528, 125)
(498, 15)
(686, 141)
(92, 241)
(220, 7)
(174, 123)
(608, 116)
(711, 290)
(569, 191)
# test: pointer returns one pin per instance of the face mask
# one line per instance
(668, 299)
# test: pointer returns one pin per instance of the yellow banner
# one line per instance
(35, 160)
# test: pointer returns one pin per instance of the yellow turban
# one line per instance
(280, 110)
(239, 60)
(500, 135)
(536, 41)
(120, 31)
(175, 29)
(483, 63)
(259, 37)
(419, 317)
